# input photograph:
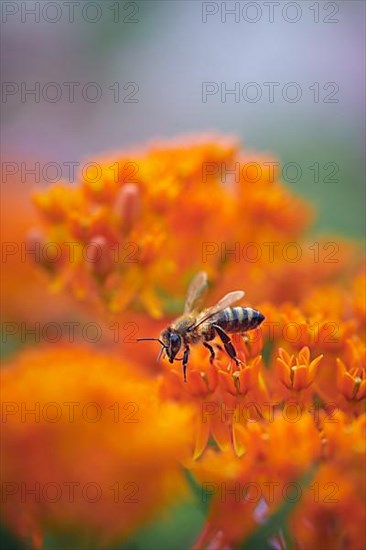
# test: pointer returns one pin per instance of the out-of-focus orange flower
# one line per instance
(319, 331)
(345, 440)
(351, 379)
(135, 212)
(334, 505)
(263, 265)
(351, 383)
(241, 487)
(331, 513)
(341, 376)
(22, 284)
(359, 298)
(87, 450)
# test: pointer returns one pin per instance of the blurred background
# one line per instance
(149, 61)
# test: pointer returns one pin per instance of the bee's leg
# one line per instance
(226, 340)
(185, 362)
(211, 350)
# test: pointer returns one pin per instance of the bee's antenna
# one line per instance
(159, 355)
(151, 339)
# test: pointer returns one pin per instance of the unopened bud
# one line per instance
(34, 238)
(100, 255)
(127, 205)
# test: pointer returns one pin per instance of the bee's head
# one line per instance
(172, 343)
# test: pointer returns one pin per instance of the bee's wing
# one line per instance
(226, 301)
(195, 291)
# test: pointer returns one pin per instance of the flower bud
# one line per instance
(127, 205)
(100, 256)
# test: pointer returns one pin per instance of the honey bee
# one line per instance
(196, 326)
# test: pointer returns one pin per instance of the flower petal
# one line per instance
(220, 432)
(300, 377)
(202, 436)
(239, 439)
(284, 373)
(348, 386)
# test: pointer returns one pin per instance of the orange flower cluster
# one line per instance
(134, 236)
(276, 442)
(88, 450)
(261, 427)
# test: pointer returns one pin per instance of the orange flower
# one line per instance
(202, 391)
(58, 203)
(334, 503)
(359, 297)
(142, 198)
(246, 490)
(351, 379)
(297, 372)
(22, 285)
(243, 379)
(76, 421)
(220, 391)
(331, 513)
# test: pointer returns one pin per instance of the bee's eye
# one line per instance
(174, 339)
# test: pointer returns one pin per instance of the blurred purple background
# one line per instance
(168, 52)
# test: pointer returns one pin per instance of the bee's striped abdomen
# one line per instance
(238, 319)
